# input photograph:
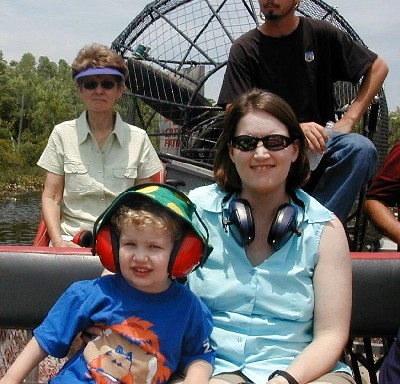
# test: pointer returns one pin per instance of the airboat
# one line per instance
(176, 51)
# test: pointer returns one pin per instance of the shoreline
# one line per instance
(18, 189)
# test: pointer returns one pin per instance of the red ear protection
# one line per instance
(187, 255)
(83, 239)
(107, 248)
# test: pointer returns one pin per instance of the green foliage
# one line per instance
(9, 156)
(34, 96)
(394, 127)
(29, 153)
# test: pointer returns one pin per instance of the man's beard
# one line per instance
(271, 16)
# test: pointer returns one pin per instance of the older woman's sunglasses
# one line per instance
(271, 142)
(93, 84)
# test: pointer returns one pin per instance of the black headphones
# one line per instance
(238, 216)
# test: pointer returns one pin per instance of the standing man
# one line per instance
(300, 59)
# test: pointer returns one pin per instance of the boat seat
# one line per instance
(376, 284)
(375, 317)
(32, 279)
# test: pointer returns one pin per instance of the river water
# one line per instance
(19, 217)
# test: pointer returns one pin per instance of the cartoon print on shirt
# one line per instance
(126, 353)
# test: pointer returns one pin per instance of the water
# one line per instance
(19, 217)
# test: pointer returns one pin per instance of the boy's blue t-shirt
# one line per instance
(146, 337)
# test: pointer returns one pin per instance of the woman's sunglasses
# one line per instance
(93, 84)
(271, 142)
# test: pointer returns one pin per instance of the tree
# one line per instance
(394, 127)
(34, 96)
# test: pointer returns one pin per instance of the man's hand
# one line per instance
(316, 136)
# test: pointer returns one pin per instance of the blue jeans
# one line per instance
(350, 162)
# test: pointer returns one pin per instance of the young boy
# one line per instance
(153, 325)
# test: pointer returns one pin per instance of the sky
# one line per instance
(58, 29)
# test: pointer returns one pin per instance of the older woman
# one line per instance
(92, 159)
(278, 282)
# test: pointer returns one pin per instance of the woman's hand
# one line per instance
(277, 380)
(75, 346)
(65, 244)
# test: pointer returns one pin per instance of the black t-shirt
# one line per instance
(301, 67)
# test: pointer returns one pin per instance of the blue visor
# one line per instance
(93, 71)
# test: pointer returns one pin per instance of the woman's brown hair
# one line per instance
(97, 55)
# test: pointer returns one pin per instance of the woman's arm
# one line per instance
(198, 372)
(28, 359)
(332, 287)
(142, 181)
(51, 198)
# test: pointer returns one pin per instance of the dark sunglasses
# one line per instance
(271, 142)
(93, 84)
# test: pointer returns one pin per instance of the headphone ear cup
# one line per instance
(241, 222)
(283, 226)
(83, 239)
(187, 255)
(105, 244)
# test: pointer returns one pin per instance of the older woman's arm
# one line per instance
(142, 181)
(332, 286)
(51, 199)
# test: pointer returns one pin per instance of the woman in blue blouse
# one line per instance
(278, 282)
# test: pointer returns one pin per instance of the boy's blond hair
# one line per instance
(147, 215)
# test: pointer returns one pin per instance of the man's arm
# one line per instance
(370, 86)
(383, 219)
(383, 194)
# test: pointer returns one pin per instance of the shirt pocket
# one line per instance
(123, 178)
(77, 177)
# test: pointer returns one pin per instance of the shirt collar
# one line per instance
(83, 129)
